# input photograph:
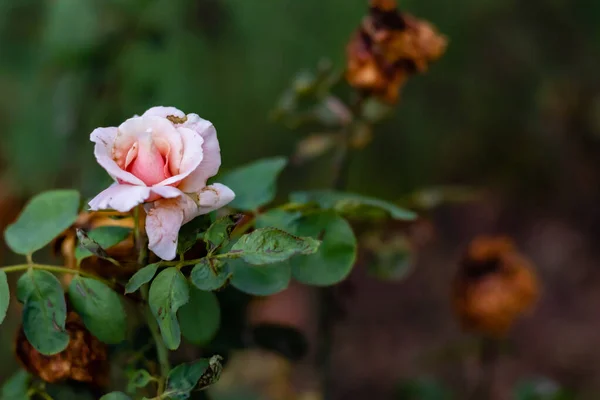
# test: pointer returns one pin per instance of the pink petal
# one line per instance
(163, 222)
(164, 136)
(120, 197)
(105, 139)
(164, 112)
(149, 164)
(165, 217)
(208, 199)
(167, 192)
(192, 156)
(211, 160)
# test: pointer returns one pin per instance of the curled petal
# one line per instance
(165, 217)
(214, 197)
(211, 154)
(163, 222)
(191, 157)
(120, 197)
(105, 139)
(164, 112)
(167, 192)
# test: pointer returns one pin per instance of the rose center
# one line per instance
(146, 162)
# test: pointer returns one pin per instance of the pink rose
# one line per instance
(162, 159)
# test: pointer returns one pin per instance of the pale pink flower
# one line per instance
(162, 159)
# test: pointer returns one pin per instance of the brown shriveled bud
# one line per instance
(123, 252)
(388, 47)
(84, 359)
(495, 284)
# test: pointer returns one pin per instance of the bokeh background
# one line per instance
(513, 109)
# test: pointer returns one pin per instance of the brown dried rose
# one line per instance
(388, 47)
(84, 359)
(495, 285)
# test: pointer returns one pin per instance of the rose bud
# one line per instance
(494, 285)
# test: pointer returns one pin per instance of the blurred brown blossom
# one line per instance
(388, 47)
(124, 252)
(84, 359)
(495, 284)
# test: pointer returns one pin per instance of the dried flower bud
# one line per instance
(84, 359)
(495, 284)
(388, 47)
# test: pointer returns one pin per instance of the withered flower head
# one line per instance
(494, 285)
(388, 47)
(84, 359)
(124, 252)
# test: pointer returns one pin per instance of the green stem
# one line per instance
(162, 353)
(53, 268)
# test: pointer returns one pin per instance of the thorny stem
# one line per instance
(162, 353)
(54, 268)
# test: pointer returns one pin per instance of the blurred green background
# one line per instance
(514, 105)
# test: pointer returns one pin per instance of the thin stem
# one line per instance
(488, 356)
(162, 353)
(340, 168)
(140, 237)
(53, 268)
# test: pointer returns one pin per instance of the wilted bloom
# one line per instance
(388, 47)
(162, 159)
(495, 284)
(84, 359)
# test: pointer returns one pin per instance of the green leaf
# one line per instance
(184, 378)
(271, 245)
(210, 274)
(336, 256)
(139, 379)
(168, 292)
(188, 234)
(261, 280)
(16, 387)
(44, 311)
(254, 183)
(100, 309)
(115, 396)
(219, 232)
(353, 204)
(198, 374)
(45, 217)
(141, 277)
(4, 295)
(97, 240)
(200, 317)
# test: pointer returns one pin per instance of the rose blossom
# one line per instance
(162, 159)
